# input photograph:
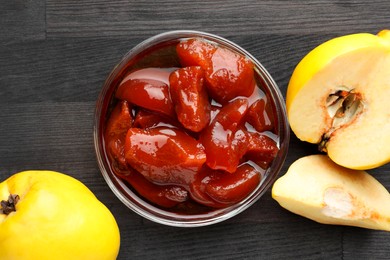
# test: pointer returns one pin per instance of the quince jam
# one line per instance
(190, 127)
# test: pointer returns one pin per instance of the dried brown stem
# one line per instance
(8, 206)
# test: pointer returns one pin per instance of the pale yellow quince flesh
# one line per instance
(317, 188)
(338, 97)
(56, 217)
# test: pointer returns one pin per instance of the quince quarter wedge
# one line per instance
(339, 98)
(317, 188)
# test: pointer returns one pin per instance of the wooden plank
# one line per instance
(365, 244)
(47, 135)
(22, 20)
(293, 240)
(70, 18)
(57, 70)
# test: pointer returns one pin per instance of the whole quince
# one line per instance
(337, 98)
(50, 215)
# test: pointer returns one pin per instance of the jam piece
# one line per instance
(228, 74)
(195, 52)
(197, 188)
(190, 97)
(261, 149)
(147, 93)
(233, 187)
(149, 119)
(117, 126)
(164, 155)
(260, 116)
(224, 140)
(166, 196)
(231, 75)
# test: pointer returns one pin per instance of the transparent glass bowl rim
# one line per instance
(142, 207)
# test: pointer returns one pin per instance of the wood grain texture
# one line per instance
(131, 18)
(22, 20)
(56, 54)
(236, 241)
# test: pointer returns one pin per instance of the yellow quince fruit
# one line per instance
(49, 215)
(338, 98)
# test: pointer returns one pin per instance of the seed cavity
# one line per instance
(343, 106)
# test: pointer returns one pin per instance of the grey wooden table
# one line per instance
(55, 55)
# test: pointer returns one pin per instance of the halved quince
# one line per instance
(317, 188)
(339, 97)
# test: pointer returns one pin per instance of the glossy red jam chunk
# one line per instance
(147, 93)
(232, 188)
(166, 196)
(228, 74)
(149, 119)
(261, 149)
(260, 115)
(117, 126)
(223, 139)
(219, 189)
(194, 134)
(198, 187)
(195, 52)
(164, 155)
(190, 97)
(231, 76)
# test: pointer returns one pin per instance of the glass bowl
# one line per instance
(135, 58)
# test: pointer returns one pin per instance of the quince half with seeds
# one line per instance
(338, 98)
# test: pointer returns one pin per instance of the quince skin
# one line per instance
(49, 215)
